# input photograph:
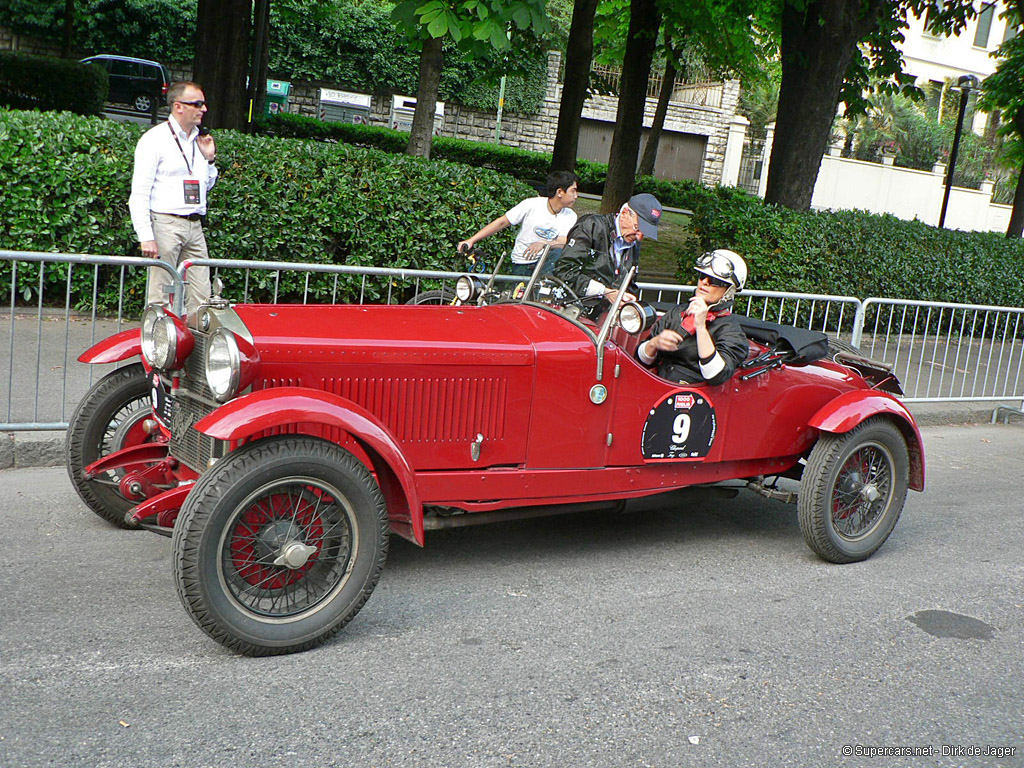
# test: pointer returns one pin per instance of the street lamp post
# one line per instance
(966, 84)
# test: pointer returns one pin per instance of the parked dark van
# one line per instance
(137, 82)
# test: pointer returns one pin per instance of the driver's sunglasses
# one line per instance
(198, 103)
(716, 281)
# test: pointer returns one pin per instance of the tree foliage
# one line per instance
(476, 27)
(348, 42)
(829, 51)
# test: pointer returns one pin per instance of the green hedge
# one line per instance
(66, 182)
(41, 82)
(277, 200)
(856, 253)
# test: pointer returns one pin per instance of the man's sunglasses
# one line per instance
(198, 103)
(716, 281)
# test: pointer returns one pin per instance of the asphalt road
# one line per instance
(686, 632)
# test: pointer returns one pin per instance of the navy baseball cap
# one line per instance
(648, 212)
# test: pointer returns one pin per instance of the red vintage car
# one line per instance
(279, 445)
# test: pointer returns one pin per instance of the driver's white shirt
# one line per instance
(537, 223)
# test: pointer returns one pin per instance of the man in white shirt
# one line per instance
(542, 221)
(174, 170)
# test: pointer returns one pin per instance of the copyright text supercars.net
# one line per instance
(945, 750)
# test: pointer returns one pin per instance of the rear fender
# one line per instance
(852, 408)
(267, 409)
(114, 348)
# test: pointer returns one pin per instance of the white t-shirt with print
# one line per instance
(537, 223)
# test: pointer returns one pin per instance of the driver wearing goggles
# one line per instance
(702, 342)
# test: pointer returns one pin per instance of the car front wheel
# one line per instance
(109, 418)
(853, 490)
(279, 545)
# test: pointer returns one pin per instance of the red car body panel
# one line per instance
(851, 408)
(114, 348)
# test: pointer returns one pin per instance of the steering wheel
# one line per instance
(554, 290)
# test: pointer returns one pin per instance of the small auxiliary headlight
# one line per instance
(465, 289)
(635, 317)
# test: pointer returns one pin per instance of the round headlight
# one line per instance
(223, 364)
(634, 317)
(465, 289)
(159, 338)
(149, 318)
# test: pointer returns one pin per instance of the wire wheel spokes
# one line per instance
(862, 491)
(288, 548)
(124, 429)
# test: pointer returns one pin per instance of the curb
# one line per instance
(19, 450)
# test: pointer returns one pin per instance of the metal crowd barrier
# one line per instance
(941, 352)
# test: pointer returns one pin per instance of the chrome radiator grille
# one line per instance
(188, 404)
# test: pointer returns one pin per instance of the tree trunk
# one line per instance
(1015, 229)
(69, 26)
(431, 61)
(579, 53)
(817, 47)
(644, 20)
(260, 57)
(222, 60)
(654, 136)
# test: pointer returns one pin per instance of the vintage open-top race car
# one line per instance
(280, 444)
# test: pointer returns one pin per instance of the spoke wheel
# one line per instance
(444, 296)
(108, 419)
(142, 103)
(280, 545)
(853, 490)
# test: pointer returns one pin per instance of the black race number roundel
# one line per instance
(682, 426)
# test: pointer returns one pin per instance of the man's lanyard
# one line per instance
(187, 163)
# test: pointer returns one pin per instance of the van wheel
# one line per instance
(142, 102)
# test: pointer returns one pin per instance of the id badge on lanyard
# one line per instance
(190, 186)
(191, 191)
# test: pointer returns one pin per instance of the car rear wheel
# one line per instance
(442, 296)
(853, 490)
(142, 102)
(279, 545)
(108, 419)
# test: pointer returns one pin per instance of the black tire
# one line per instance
(838, 345)
(441, 297)
(252, 507)
(142, 102)
(853, 490)
(107, 419)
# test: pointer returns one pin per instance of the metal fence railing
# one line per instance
(941, 352)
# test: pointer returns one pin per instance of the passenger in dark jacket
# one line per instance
(601, 248)
(702, 342)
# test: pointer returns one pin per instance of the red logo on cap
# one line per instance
(655, 212)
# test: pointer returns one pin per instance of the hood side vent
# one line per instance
(431, 409)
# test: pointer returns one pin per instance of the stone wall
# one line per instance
(12, 41)
(537, 132)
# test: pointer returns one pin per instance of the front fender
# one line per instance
(851, 408)
(120, 346)
(285, 406)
